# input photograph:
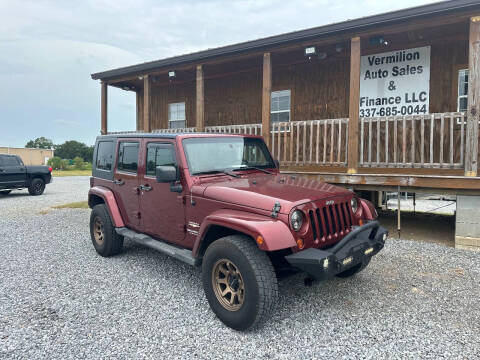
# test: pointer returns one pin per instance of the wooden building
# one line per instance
(373, 103)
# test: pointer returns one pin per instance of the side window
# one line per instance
(159, 155)
(10, 161)
(176, 115)
(105, 150)
(462, 90)
(128, 157)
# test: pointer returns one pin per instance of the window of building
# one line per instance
(159, 155)
(462, 90)
(176, 115)
(128, 157)
(105, 150)
(280, 106)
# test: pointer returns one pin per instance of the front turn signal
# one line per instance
(300, 243)
(260, 240)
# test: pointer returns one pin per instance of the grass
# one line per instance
(72, 172)
(73, 205)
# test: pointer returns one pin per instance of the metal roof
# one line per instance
(326, 30)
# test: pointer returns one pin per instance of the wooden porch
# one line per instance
(432, 152)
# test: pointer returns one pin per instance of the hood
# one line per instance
(263, 191)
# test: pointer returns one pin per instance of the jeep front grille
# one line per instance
(331, 221)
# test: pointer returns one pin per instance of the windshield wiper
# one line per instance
(248, 167)
(216, 172)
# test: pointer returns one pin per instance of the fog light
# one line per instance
(325, 263)
(368, 251)
(347, 260)
(384, 236)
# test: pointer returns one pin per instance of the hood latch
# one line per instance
(276, 209)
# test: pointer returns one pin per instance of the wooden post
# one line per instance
(354, 103)
(473, 109)
(266, 97)
(146, 104)
(139, 111)
(103, 122)
(200, 101)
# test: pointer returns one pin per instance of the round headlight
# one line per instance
(354, 204)
(296, 220)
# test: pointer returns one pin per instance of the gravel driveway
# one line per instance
(59, 299)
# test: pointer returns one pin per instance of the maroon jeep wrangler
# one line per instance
(219, 202)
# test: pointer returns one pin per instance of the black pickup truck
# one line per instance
(15, 175)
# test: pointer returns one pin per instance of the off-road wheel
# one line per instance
(239, 282)
(5, 192)
(104, 237)
(37, 187)
(354, 269)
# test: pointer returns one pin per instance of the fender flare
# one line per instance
(368, 210)
(276, 234)
(109, 199)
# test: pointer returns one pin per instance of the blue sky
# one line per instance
(48, 49)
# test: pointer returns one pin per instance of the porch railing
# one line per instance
(416, 141)
(250, 129)
(313, 142)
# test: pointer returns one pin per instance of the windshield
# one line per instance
(218, 154)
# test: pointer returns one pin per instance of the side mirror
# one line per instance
(277, 163)
(166, 174)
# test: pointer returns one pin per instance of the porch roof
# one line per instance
(440, 8)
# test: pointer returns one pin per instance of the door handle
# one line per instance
(119, 182)
(145, 187)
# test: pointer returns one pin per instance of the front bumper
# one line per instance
(357, 247)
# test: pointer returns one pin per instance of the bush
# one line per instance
(78, 163)
(57, 163)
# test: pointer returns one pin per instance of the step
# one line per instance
(184, 255)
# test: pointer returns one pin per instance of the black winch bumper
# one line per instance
(357, 247)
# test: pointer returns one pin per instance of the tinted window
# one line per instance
(105, 150)
(159, 155)
(128, 157)
(10, 161)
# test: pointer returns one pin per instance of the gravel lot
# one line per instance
(59, 299)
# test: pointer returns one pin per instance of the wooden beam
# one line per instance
(354, 103)
(104, 127)
(266, 96)
(146, 104)
(473, 110)
(200, 101)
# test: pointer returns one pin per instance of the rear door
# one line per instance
(12, 172)
(125, 181)
(162, 210)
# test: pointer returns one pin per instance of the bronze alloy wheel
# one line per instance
(98, 231)
(228, 285)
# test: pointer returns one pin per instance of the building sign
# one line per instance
(395, 83)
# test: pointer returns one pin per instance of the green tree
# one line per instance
(57, 163)
(40, 143)
(78, 163)
(71, 149)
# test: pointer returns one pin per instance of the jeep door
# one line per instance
(12, 172)
(162, 210)
(125, 181)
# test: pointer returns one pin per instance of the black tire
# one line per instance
(354, 269)
(111, 243)
(5, 192)
(257, 276)
(37, 187)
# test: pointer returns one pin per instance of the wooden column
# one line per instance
(266, 96)
(139, 108)
(103, 122)
(353, 108)
(200, 101)
(473, 109)
(146, 104)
